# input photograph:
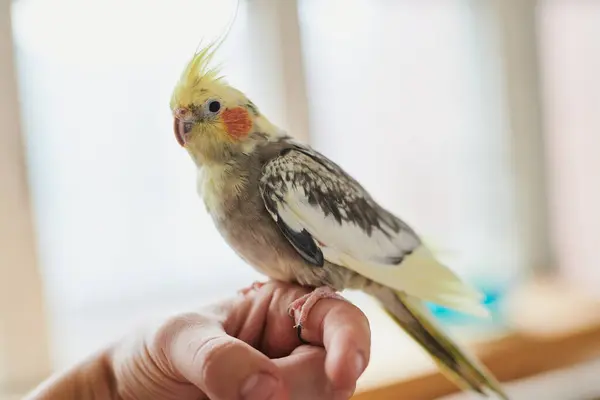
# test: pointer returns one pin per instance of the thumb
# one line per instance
(202, 353)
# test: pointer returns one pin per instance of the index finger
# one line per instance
(343, 329)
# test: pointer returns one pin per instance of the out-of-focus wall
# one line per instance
(23, 341)
(569, 32)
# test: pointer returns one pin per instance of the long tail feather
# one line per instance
(411, 314)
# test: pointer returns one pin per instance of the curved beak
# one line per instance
(179, 130)
(183, 122)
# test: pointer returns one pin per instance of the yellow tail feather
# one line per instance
(410, 313)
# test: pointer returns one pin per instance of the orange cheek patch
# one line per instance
(237, 122)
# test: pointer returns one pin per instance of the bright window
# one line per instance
(121, 228)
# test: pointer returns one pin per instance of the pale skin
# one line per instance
(241, 348)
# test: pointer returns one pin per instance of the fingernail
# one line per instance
(259, 387)
(343, 394)
(360, 364)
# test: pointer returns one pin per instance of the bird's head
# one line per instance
(212, 120)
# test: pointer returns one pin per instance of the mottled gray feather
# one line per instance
(335, 193)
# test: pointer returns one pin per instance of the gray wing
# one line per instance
(319, 207)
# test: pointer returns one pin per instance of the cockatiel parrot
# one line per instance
(296, 216)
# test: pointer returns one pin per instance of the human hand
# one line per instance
(246, 348)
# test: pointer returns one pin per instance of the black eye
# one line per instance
(214, 106)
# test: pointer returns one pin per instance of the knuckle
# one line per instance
(212, 354)
(362, 316)
(172, 326)
(352, 312)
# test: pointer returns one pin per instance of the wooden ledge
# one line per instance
(554, 327)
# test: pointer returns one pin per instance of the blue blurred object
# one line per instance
(492, 300)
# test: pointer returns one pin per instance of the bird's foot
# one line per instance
(256, 285)
(300, 308)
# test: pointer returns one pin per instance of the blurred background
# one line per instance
(476, 121)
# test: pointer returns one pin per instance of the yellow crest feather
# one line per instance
(199, 69)
(200, 66)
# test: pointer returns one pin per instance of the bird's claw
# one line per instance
(304, 304)
(298, 328)
(256, 285)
